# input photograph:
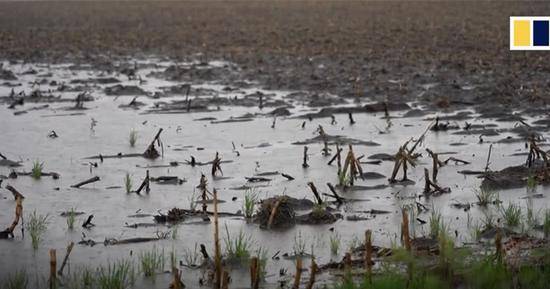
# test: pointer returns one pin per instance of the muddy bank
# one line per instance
(293, 50)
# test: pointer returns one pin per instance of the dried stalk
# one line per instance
(498, 246)
(8, 233)
(436, 164)
(368, 254)
(351, 120)
(225, 280)
(216, 165)
(489, 158)
(337, 156)
(274, 212)
(151, 151)
(176, 279)
(403, 158)
(144, 184)
(287, 176)
(312, 273)
(315, 193)
(254, 273)
(326, 149)
(16, 194)
(298, 275)
(217, 250)
(88, 181)
(353, 165)
(53, 265)
(304, 163)
(428, 184)
(66, 258)
(335, 195)
(405, 230)
(204, 191)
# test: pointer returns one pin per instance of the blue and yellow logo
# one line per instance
(529, 33)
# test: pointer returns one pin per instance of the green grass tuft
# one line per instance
(119, 275)
(531, 182)
(335, 241)
(132, 139)
(191, 257)
(486, 197)
(17, 280)
(511, 214)
(237, 248)
(71, 218)
(261, 253)
(250, 199)
(151, 262)
(546, 223)
(37, 168)
(37, 226)
(299, 246)
(81, 278)
(436, 224)
(128, 183)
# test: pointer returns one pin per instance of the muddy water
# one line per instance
(261, 148)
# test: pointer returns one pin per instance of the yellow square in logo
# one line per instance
(522, 33)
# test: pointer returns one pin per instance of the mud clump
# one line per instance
(283, 208)
(7, 74)
(390, 106)
(119, 89)
(335, 139)
(510, 177)
(281, 111)
(369, 108)
(318, 216)
(100, 80)
(173, 216)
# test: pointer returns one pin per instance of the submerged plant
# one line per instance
(128, 183)
(71, 218)
(546, 223)
(343, 179)
(237, 248)
(81, 278)
(353, 243)
(262, 262)
(132, 139)
(191, 257)
(437, 225)
(475, 231)
(37, 168)
(119, 275)
(318, 210)
(299, 246)
(486, 197)
(250, 199)
(37, 226)
(151, 262)
(511, 214)
(335, 241)
(531, 218)
(175, 232)
(17, 280)
(192, 202)
(531, 182)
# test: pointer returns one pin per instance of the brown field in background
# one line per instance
(285, 43)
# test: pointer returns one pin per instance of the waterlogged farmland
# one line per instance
(272, 144)
(155, 138)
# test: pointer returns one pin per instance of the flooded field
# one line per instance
(78, 122)
(135, 132)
